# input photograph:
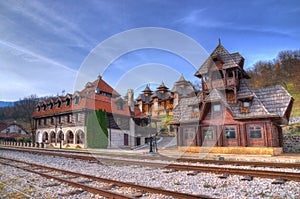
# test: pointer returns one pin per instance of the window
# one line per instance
(44, 107)
(255, 132)
(120, 106)
(118, 121)
(230, 73)
(52, 120)
(216, 107)
(155, 105)
(39, 121)
(230, 132)
(51, 106)
(45, 121)
(38, 108)
(208, 134)
(246, 104)
(76, 100)
(59, 104)
(68, 102)
(77, 117)
(69, 118)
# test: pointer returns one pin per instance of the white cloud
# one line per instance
(24, 73)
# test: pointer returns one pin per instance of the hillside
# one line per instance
(284, 70)
(294, 90)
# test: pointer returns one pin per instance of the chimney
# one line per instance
(130, 98)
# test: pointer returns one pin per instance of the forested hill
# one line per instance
(284, 70)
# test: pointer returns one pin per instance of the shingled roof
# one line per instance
(276, 99)
(229, 60)
(183, 87)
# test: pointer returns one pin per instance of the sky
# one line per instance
(47, 46)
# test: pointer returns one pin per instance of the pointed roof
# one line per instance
(147, 89)
(229, 60)
(275, 99)
(245, 91)
(162, 86)
(183, 87)
(181, 78)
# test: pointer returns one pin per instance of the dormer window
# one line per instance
(44, 107)
(245, 106)
(59, 104)
(68, 102)
(120, 106)
(38, 108)
(51, 105)
(76, 100)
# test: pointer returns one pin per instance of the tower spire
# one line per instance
(219, 41)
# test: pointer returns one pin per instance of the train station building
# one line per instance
(227, 115)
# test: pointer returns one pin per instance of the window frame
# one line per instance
(253, 132)
(230, 129)
(211, 137)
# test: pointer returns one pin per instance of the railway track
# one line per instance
(92, 156)
(65, 176)
(218, 170)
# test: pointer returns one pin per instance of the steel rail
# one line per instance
(118, 183)
(190, 160)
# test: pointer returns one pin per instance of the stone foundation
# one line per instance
(291, 144)
(233, 150)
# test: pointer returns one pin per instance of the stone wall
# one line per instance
(291, 143)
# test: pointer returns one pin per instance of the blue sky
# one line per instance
(43, 44)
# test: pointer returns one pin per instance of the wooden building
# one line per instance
(67, 115)
(162, 101)
(227, 114)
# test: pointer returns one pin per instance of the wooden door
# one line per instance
(126, 139)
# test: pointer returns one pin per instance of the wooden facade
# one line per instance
(227, 112)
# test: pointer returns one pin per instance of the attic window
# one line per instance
(120, 106)
(68, 101)
(44, 107)
(245, 106)
(76, 100)
(51, 106)
(38, 108)
(97, 91)
(59, 104)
